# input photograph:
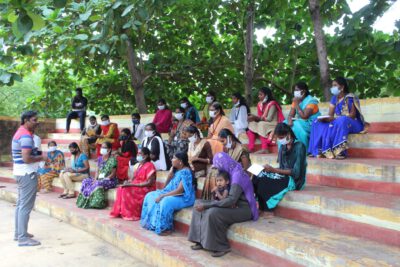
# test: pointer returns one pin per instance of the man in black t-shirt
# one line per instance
(79, 104)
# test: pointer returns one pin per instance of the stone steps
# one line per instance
(129, 236)
(275, 241)
(379, 176)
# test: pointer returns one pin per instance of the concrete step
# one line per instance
(363, 214)
(270, 241)
(379, 176)
(129, 236)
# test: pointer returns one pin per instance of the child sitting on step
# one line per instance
(221, 190)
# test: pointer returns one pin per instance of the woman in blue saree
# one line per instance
(329, 134)
(159, 206)
(303, 112)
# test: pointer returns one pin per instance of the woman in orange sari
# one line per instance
(220, 121)
(109, 133)
(269, 114)
(130, 195)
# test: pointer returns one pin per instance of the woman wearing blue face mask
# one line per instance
(328, 137)
(127, 153)
(130, 196)
(303, 112)
(271, 184)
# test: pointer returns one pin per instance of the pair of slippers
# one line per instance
(66, 196)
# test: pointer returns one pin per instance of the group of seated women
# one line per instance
(230, 193)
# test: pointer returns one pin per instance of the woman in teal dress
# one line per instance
(92, 195)
(159, 206)
(303, 112)
(271, 185)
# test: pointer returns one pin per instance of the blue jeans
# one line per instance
(27, 189)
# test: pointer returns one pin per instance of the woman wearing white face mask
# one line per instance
(163, 117)
(220, 121)
(303, 112)
(177, 141)
(54, 164)
(191, 112)
(271, 185)
(206, 120)
(239, 114)
(109, 133)
(89, 136)
(158, 151)
(199, 152)
(328, 137)
(269, 114)
(234, 148)
(92, 195)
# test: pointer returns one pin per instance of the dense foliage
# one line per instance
(117, 50)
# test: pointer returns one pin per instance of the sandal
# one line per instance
(196, 246)
(62, 195)
(218, 254)
(69, 196)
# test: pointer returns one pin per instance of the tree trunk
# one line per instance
(321, 47)
(137, 82)
(249, 57)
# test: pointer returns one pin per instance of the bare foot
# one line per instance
(262, 151)
(266, 214)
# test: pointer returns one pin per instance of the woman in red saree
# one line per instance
(127, 154)
(163, 117)
(130, 196)
(269, 114)
(109, 133)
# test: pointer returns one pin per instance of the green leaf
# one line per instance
(127, 10)
(5, 77)
(6, 60)
(116, 4)
(143, 13)
(95, 17)
(16, 31)
(85, 16)
(38, 21)
(59, 3)
(127, 25)
(12, 17)
(138, 23)
(58, 29)
(16, 77)
(81, 37)
(24, 23)
(104, 48)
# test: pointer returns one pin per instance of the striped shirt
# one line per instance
(23, 139)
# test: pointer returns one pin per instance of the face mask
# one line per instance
(139, 158)
(161, 107)
(149, 133)
(237, 104)
(283, 141)
(192, 139)
(123, 138)
(265, 99)
(184, 105)
(297, 94)
(105, 123)
(104, 151)
(212, 113)
(52, 148)
(228, 144)
(335, 90)
(135, 121)
(209, 99)
(179, 116)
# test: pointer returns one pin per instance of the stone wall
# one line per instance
(9, 125)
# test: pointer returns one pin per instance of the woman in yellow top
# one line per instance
(220, 121)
